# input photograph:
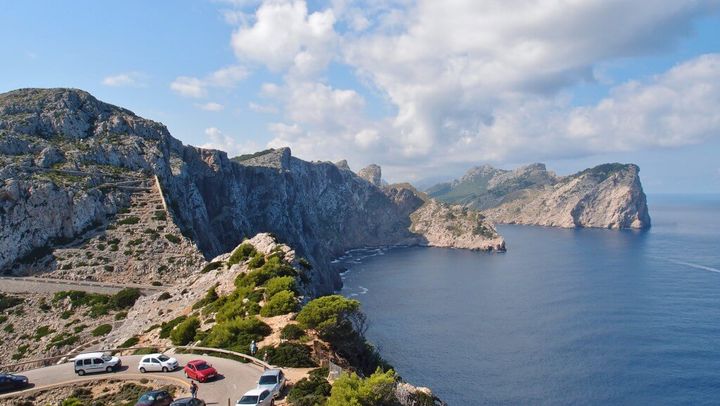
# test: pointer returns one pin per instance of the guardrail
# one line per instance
(61, 359)
(106, 285)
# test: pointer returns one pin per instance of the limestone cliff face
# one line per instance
(606, 196)
(70, 161)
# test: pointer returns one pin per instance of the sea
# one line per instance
(564, 317)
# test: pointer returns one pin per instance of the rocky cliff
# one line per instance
(69, 162)
(606, 196)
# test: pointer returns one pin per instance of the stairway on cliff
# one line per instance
(140, 244)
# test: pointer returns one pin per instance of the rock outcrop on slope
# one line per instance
(606, 196)
(70, 162)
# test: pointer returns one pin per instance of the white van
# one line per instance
(96, 362)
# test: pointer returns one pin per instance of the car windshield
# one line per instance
(147, 398)
(163, 358)
(268, 379)
(248, 400)
(202, 367)
(106, 357)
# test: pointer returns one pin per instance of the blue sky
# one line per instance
(426, 89)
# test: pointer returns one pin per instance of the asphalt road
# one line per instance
(21, 284)
(234, 378)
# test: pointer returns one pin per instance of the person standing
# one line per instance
(193, 389)
(253, 348)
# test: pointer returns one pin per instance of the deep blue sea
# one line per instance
(565, 317)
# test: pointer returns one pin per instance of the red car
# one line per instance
(199, 370)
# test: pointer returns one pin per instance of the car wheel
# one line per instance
(109, 369)
(81, 372)
(164, 369)
(142, 370)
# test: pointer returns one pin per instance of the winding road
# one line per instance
(235, 378)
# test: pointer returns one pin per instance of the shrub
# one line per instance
(282, 302)
(42, 332)
(120, 315)
(291, 332)
(309, 392)
(241, 253)
(377, 389)
(237, 306)
(167, 327)
(275, 285)
(172, 238)
(7, 301)
(145, 351)
(3, 318)
(257, 261)
(273, 267)
(326, 311)
(211, 267)
(160, 215)
(209, 297)
(63, 339)
(130, 342)
(291, 355)
(129, 220)
(164, 296)
(237, 334)
(126, 298)
(108, 268)
(305, 264)
(72, 401)
(156, 283)
(185, 332)
(101, 330)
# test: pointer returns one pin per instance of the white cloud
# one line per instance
(211, 106)
(223, 142)
(128, 79)
(478, 80)
(226, 78)
(262, 108)
(285, 36)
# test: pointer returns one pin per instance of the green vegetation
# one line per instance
(377, 389)
(172, 238)
(20, 352)
(129, 220)
(42, 332)
(167, 327)
(309, 392)
(241, 254)
(160, 215)
(63, 339)
(273, 268)
(7, 301)
(101, 330)
(291, 332)
(283, 302)
(291, 355)
(164, 296)
(257, 261)
(327, 311)
(130, 342)
(184, 333)
(3, 318)
(212, 266)
(237, 334)
(305, 264)
(100, 304)
(210, 297)
(120, 315)
(275, 285)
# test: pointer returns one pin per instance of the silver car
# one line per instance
(272, 380)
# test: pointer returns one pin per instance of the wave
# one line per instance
(696, 266)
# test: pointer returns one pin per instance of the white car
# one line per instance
(157, 362)
(256, 397)
(96, 362)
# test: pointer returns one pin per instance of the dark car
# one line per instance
(155, 398)
(188, 402)
(10, 382)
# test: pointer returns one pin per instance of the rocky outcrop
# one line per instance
(372, 173)
(70, 161)
(606, 196)
(444, 225)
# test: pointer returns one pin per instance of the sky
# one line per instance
(424, 88)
